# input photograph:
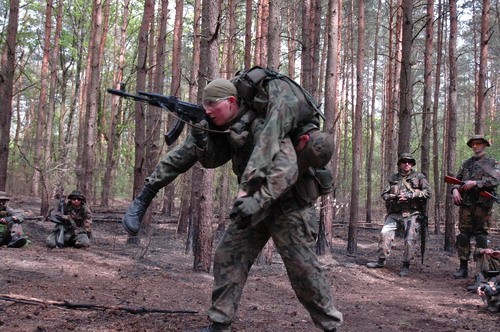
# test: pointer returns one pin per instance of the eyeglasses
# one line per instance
(406, 162)
(214, 103)
(75, 199)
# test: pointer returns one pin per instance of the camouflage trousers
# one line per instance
(78, 239)
(8, 230)
(474, 221)
(403, 225)
(486, 263)
(294, 234)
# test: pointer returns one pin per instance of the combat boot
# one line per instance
(405, 270)
(17, 241)
(462, 271)
(135, 212)
(378, 264)
(216, 327)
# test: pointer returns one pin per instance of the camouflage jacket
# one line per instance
(258, 144)
(486, 172)
(7, 211)
(82, 217)
(415, 186)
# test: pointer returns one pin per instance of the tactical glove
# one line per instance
(243, 209)
(200, 134)
(246, 206)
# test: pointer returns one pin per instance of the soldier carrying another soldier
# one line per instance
(276, 192)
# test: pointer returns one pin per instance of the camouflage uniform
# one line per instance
(78, 226)
(11, 232)
(402, 216)
(265, 163)
(475, 210)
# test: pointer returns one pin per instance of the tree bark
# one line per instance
(202, 180)
(352, 241)
(479, 124)
(406, 79)
(7, 68)
(449, 233)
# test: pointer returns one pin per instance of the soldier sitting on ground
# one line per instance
(488, 277)
(11, 231)
(77, 222)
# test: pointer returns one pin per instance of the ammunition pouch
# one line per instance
(312, 184)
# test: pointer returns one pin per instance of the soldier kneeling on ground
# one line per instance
(11, 231)
(73, 224)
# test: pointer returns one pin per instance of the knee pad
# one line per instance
(481, 241)
(462, 240)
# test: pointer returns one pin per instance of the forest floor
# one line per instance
(113, 278)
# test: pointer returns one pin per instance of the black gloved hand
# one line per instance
(200, 134)
(246, 206)
(243, 209)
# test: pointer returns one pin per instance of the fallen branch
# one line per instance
(72, 305)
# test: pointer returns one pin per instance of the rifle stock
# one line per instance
(452, 180)
(185, 112)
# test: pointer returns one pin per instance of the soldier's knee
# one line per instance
(481, 241)
(462, 240)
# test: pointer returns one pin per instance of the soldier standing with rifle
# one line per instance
(479, 173)
(405, 200)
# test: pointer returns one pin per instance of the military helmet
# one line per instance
(407, 156)
(478, 138)
(319, 149)
(77, 194)
(4, 196)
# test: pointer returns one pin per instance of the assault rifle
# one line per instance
(423, 220)
(184, 112)
(452, 180)
(61, 222)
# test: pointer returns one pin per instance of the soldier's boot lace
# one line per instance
(135, 212)
(462, 271)
(479, 280)
(378, 264)
(17, 241)
(405, 270)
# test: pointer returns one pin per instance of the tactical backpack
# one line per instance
(251, 84)
(251, 87)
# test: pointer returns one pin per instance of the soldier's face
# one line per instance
(405, 165)
(478, 147)
(221, 111)
(76, 202)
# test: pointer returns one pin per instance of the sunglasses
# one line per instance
(75, 199)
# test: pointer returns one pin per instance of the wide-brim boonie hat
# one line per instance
(478, 138)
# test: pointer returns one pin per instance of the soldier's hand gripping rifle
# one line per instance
(183, 112)
(452, 180)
